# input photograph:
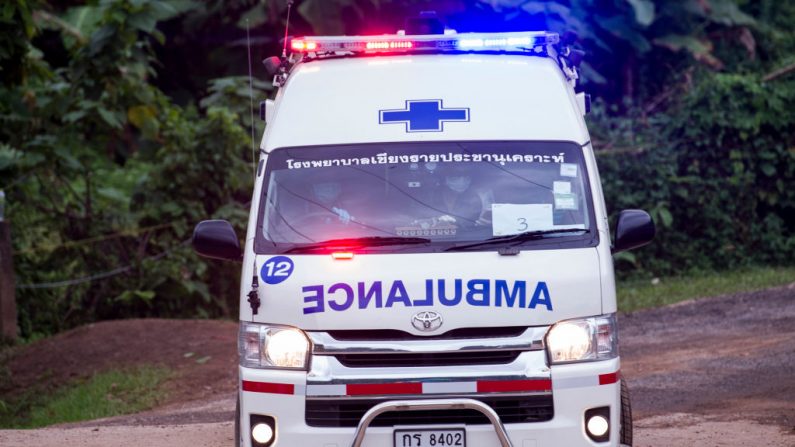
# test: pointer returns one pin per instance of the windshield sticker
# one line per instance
(384, 158)
(276, 269)
(509, 219)
(561, 187)
(565, 201)
(383, 294)
(568, 170)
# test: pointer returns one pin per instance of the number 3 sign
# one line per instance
(509, 219)
(276, 269)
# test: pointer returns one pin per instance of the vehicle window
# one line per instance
(444, 192)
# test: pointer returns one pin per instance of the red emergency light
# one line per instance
(398, 43)
(342, 255)
(384, 45)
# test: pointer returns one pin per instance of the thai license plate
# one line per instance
(445, 437)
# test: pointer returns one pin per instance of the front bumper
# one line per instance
(575, 389)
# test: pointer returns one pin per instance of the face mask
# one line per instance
(458, 183)
(326, 192)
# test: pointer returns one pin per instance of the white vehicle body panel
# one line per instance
(573, 290)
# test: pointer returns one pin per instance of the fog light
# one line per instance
(262, 433)
(598, 426)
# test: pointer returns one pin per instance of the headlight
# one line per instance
(264, 346)
(587, 339)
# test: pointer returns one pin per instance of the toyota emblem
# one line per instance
(426, 321)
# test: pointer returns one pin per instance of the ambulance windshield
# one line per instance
(416, 197)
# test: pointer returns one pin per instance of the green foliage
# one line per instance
(736, 160)
(233, 93)
(711, 155)
(105, 394)
(714, 175)
(120, 175)
(16, 30)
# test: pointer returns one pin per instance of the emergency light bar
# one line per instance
(521, 41)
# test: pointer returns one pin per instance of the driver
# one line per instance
(326, 195)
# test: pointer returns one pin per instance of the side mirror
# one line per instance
(634, 229)
(216, 239)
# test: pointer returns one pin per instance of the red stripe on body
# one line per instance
(607, 379)
(359, 389)
(504, 386)
(265, 387)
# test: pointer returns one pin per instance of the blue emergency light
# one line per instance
(469, 42)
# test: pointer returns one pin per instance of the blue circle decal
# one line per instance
(276, 269)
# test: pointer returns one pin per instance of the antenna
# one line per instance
(287, 28)
(251, 103)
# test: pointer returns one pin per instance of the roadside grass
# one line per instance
(103, 395)
(635, 294)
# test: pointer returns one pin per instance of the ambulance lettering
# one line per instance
(474, 292)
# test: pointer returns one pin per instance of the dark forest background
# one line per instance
(124, 123)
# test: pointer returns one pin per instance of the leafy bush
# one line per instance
(109, 176)
(715, 172)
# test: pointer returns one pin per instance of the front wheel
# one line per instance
(626, 416)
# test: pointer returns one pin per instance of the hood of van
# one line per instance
(427, 294)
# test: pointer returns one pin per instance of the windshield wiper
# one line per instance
(515, 238)
(352, 243)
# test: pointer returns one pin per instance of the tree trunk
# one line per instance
(8, 304)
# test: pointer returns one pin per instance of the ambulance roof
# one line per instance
(425, 97)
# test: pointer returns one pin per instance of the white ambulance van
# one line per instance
(428, 260)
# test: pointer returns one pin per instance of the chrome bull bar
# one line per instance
(431, 404)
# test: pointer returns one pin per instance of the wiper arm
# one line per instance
(515, 238)
(348, 243)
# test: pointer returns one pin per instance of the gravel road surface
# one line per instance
(712, 372)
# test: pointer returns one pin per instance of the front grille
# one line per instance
(434, 359)
(393, 334)
(348, 413)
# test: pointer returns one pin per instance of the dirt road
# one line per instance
(712, 372)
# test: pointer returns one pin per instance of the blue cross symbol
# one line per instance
(423, 115)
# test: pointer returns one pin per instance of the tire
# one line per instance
(238, 440)
(626, 416)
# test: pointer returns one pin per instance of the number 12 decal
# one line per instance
(276, 269)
